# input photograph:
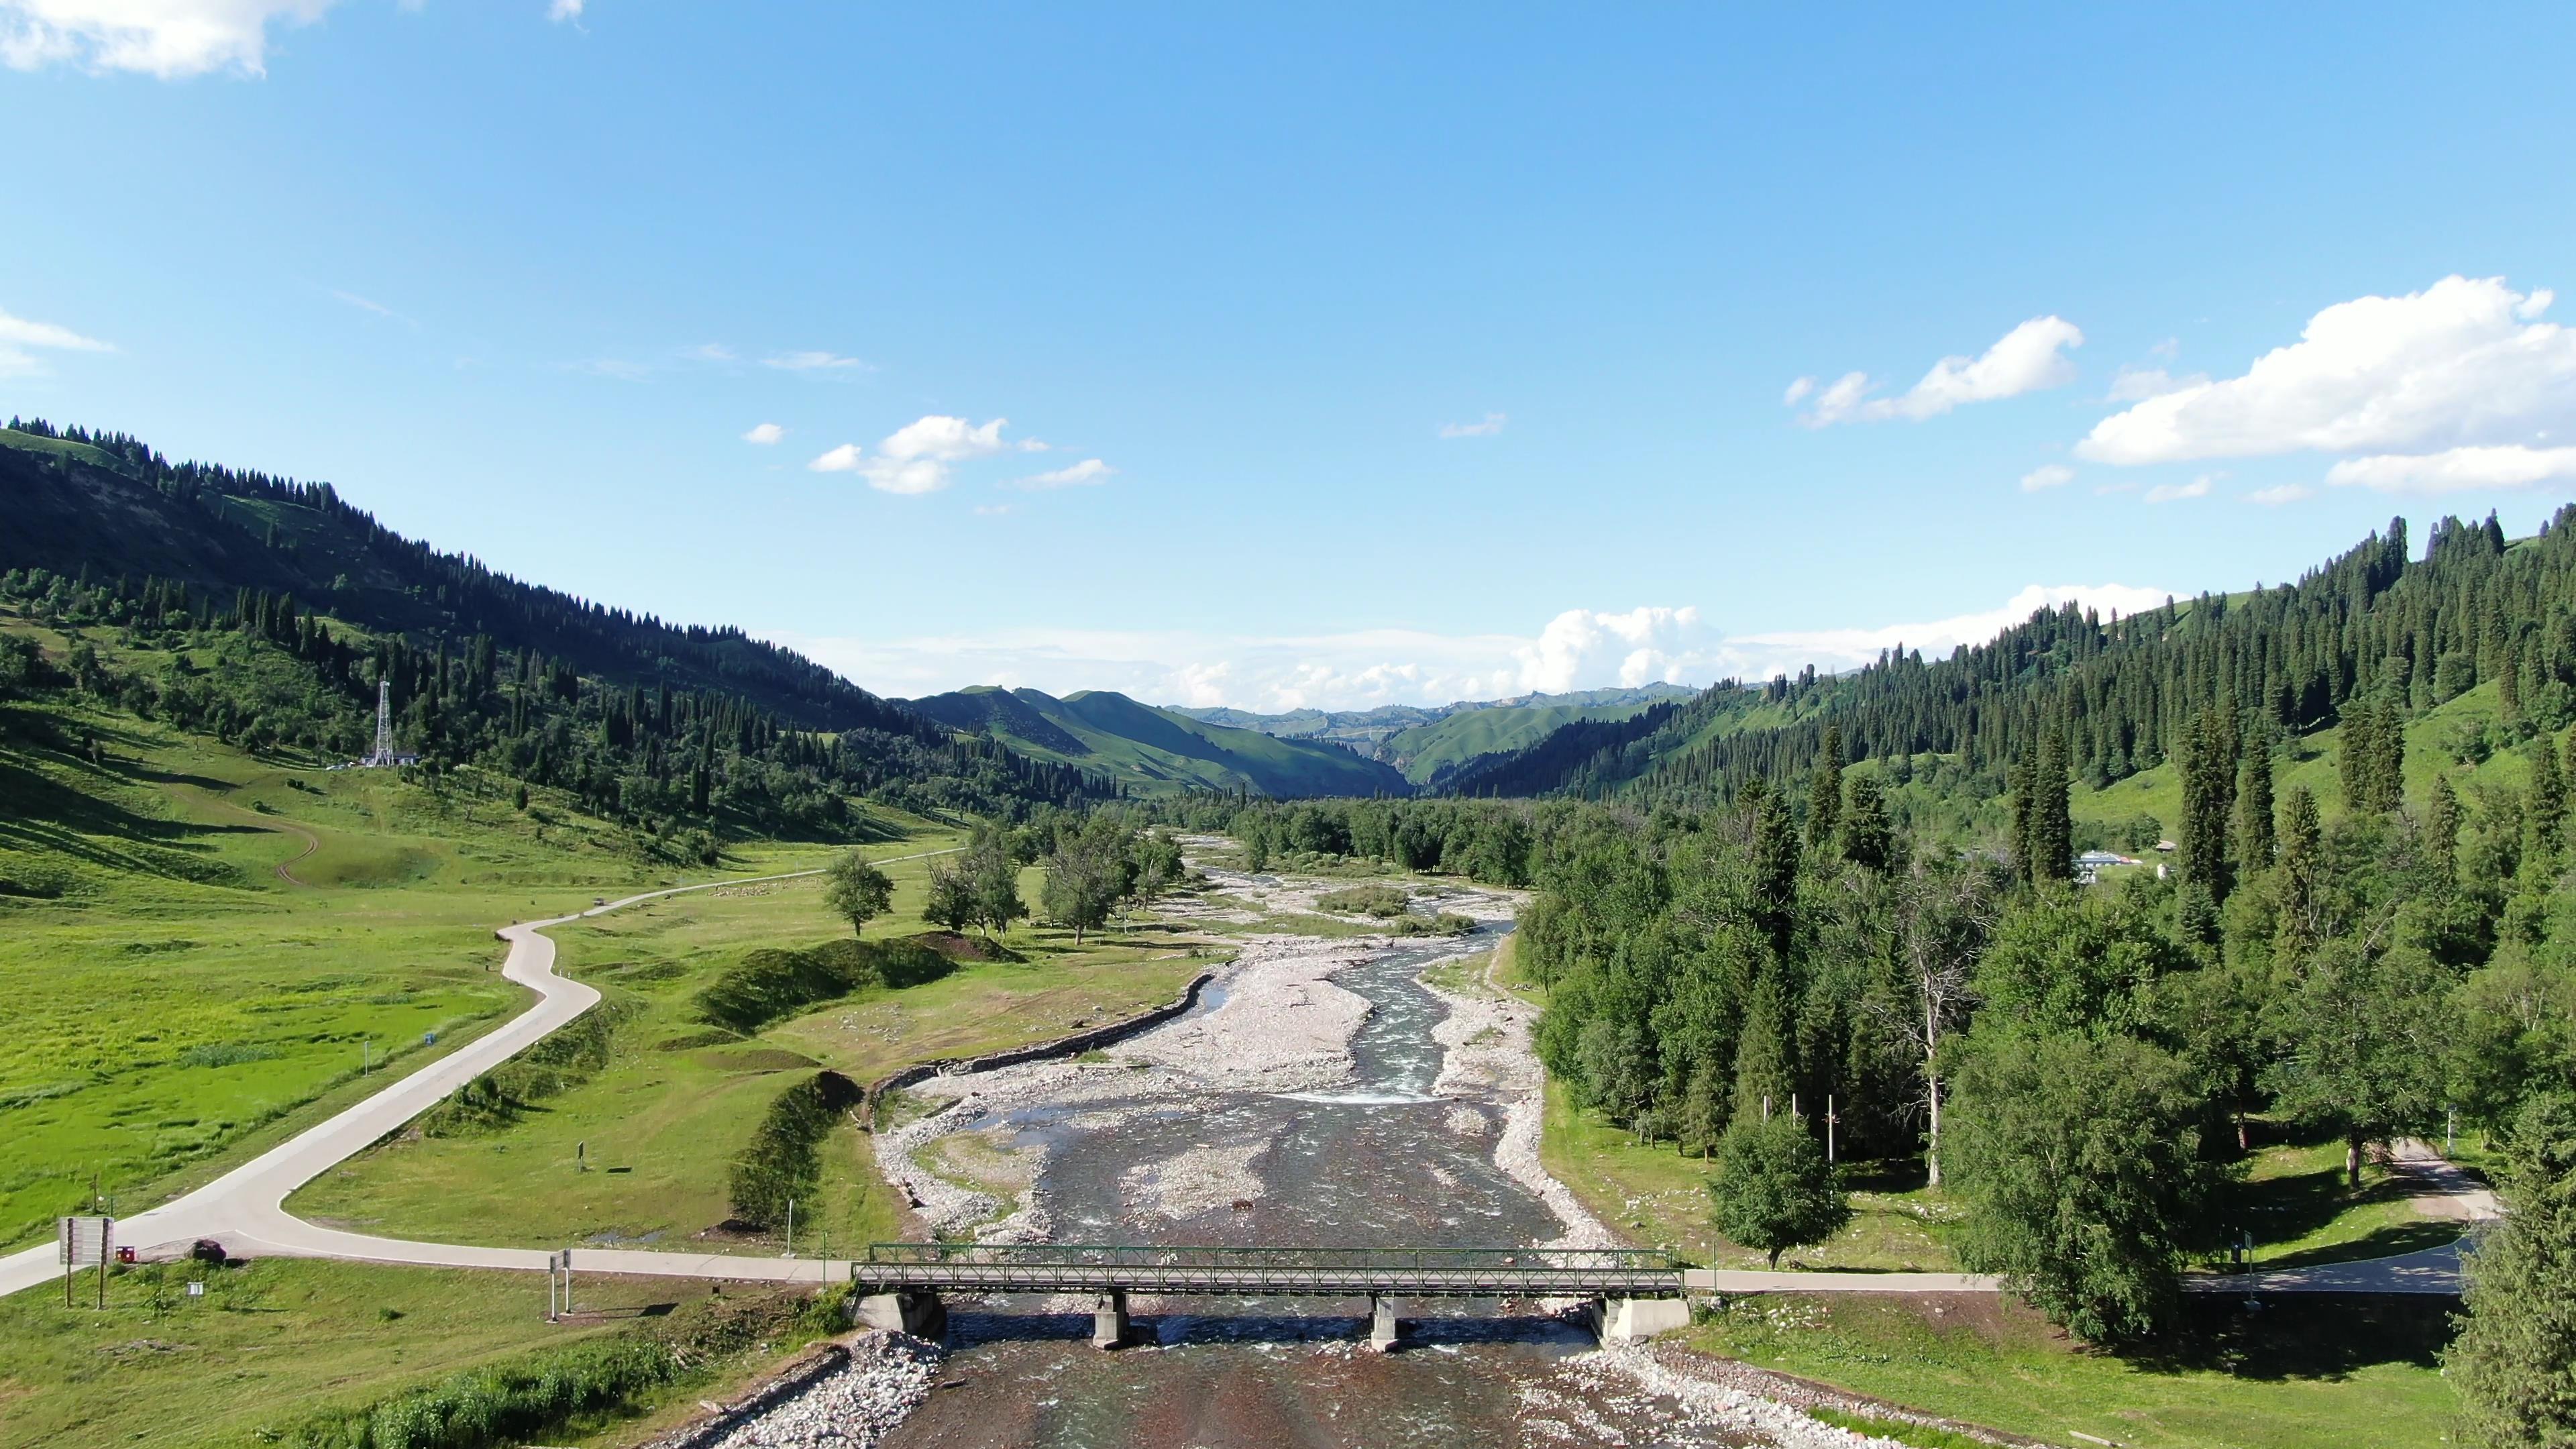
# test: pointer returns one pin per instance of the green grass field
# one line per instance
(2298, 1374)
(639, 1153)
(274, 1342)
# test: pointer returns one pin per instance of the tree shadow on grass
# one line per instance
(2303, 1336)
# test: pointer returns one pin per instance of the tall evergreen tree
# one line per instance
(2052, 826)
(1869, 840)
(1825, 791)
(2254, 808)
(2514, 1361)
(2302, 880)
(2207, 765)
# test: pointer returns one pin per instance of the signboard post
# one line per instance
(85, 1240)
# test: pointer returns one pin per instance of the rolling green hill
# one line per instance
(1430, 743)
(1158, 751)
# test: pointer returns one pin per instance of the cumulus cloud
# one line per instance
(562, 10)
(2136, 384)
(1492, 424)
(1083, 474)
(764, 434)
(2047, 475)
(2456, 470)
(2462, 363)
(165, 38)
(917, 457)
(2029, 358)
(1577, 649)
(21, 339)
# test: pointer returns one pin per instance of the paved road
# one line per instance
(245, 1208)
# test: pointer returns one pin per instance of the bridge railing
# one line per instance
(1057, 1267)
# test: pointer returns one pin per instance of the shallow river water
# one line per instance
(1375, 1161)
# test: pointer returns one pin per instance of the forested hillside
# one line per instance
(265, 612)
(1158, 751)
(2374, 634)
(1431, 744)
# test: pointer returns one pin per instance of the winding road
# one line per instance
(245, 1209)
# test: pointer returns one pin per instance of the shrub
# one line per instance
(771, 983)
(502, 1402)
(784, 1160)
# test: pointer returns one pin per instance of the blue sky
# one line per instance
(1373, 356)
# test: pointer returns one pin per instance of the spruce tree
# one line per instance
(2052, 828)
(2546, 815)
(2207, 764)
(2514, 1361)
(1825, 791)
(2254, 807)
(2442, 833)
(1869, 840)
(2302, 877)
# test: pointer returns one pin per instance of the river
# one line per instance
(1278, 1142)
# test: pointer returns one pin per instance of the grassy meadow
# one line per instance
(277, 1341)
(639, 1153)
(2296, 1374)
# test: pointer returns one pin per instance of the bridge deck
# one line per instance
(1335, 1272)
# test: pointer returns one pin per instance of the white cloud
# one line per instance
(1492, 424)
(916, 458)
(713, 352)
(2030, 357)
(2280, 493)
(2457, 470)
(564, 10)
(2136, 384)
(165, 38)
(1577, 649)
(950, 440)
(2196, 488)
(1088, 471)
(764, 434)
(2462, 363)
(2047, 475)
(20, 338)
(811, 362)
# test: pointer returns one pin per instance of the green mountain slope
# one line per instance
(2377, 631)
(1429, 743)
(1158, 751)
(270, 610)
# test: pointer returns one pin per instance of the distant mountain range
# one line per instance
(1429, 744)
(1159, 751)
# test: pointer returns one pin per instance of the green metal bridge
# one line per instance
(1336, 1272)
(1633, 1291)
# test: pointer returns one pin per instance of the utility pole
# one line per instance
(791, 1227)
(1830, 1119)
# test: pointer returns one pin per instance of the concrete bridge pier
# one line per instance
(1109, 1326)
(1632, 1320)
(1382, 1325)
(914, 1311)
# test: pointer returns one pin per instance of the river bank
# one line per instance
(1321, 1092)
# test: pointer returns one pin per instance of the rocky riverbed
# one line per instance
(1321, 1093)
